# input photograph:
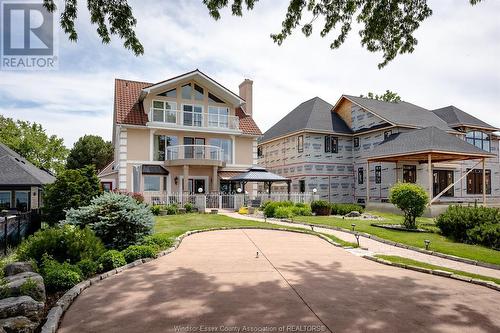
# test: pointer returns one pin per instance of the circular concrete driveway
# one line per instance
(299, 283)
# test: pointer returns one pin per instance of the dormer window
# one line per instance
(479, 139)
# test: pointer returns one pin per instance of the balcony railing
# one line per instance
(195, 152)
(193, 119)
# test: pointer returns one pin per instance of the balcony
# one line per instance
(192, 120)
(194, 155)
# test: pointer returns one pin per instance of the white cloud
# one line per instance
(454, 63)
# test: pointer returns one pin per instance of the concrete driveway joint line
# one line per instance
(201, 283)
(285, 279)
(381, 246)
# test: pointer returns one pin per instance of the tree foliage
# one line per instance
(31, 142)
(411, 199)
(90, 150)
(72, 189)
(388, 96)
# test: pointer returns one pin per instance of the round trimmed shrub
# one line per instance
(321, 207)
(283, 212)
(59, 276)
(111, 259)
(134, 252)
(411, 199)
(63, 244)
(119, 220)
(88, 267)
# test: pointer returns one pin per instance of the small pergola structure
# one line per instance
(259, 174)
(428, 145)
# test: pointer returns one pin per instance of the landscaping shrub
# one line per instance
(271, 206)
(59, 276)
(88, 267)
(111, 259)
(30, 288)
(189, 207)
(475, 225)
(301, 210)
(171, 209)
(72, 189)
(344, 208)
(283, 212)
(117, 219)
(411, 199)
(137, 197)
(65, 243)
(155, 209)
(321, 207)
(160, 241)
(243, 210)
(134, 252)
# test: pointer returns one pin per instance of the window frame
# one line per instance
(475, 186)
(219, 116)
(331, 144)
(300, 144)
(28, 197)
(10, 198)
(361, 176)
(302, 186)
(407, 178)
(259, 152)
(378, 174)
(166, 113)
(194, 121)
(470, 137)
(147, 189)
(387, 134)
(356, 142)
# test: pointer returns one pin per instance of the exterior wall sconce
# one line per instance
(176, 180)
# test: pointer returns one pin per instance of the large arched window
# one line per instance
(478, 139)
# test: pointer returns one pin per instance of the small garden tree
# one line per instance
(119, 220)
(72, 189)
(411, 199)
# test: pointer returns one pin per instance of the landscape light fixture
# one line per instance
(200, 190)
(357, 237)
(315, 190)
(427, 243)
(239, 190)
(353, 225)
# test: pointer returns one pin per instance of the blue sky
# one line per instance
(456, 62)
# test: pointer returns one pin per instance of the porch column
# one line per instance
(185, 179)
(484, 181)
(215, 179)
(429, 168)
(367, 182)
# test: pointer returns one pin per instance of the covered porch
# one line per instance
(432, 148)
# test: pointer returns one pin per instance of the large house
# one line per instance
(187, 134)
(21, 183)
(355, 150)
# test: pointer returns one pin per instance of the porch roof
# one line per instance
(418, 144)
(259, 174)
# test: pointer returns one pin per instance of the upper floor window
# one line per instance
(479, 139)
(226, 149)
(218, 116)
(192, 91)
(387, 134)
(300, 143)
(169, 93)
(214, 99)
(164, 111)
(161, 152)
(331, 144)
(259, 152)
(356, 142)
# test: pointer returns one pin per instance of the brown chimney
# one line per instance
(246, 93)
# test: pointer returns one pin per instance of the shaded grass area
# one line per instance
(406, 261)
(176, 225)
(438, 243)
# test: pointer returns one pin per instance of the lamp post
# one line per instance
(357, 237)
(353, 225)
(427, 243)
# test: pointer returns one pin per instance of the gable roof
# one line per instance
(314, 114)
(457, 118)
(129, 110)
(18, 171)
(425, 140)
(400, 113)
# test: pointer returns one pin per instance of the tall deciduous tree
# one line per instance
(388, 96)
(90, 150)
(387, 26)
(32, 142)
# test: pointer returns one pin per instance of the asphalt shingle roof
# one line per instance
(18, 171)
(429, 139)
(456, 118)
(401, 113)
(314, 114)
(258, 174)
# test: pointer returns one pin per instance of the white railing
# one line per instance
(196, 152)
(193, 119)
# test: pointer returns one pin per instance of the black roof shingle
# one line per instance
(457, 118)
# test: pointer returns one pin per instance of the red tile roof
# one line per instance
(128, 110)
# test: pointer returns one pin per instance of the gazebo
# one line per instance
(426, 146)
(259, 174)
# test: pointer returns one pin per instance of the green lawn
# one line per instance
(438, 243)
(406, 261)
(176, 225)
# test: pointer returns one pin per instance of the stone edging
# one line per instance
(488, 284)
(56, 312)
(404, 246)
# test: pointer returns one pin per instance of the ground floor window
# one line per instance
(378, 174)
(107, 186)
(475, 182)
(22, 200)
(196, 186)
(302, 186)
(5, 200)
(409, 173)
(443, 179)
(152, 183)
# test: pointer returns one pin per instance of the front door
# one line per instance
(443, 179)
